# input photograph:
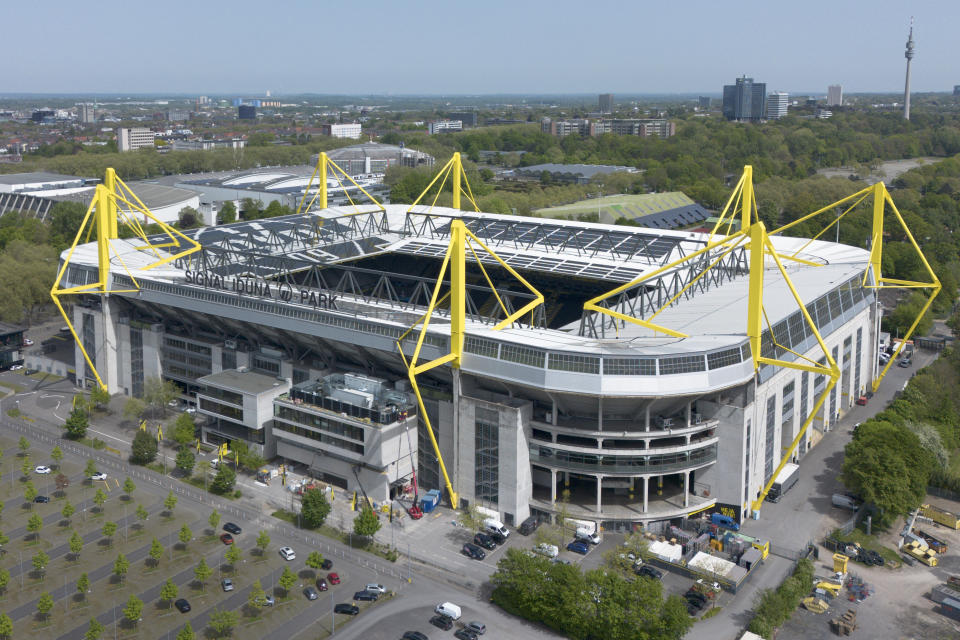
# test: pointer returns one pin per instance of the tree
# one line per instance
(6, 626)
(29, 492)
(263, 541)
(170, 502)
(257, 597)
(4, 580)
(83, 585)
(26, 466)
(133, 610)
(314, 508)
(184, 430)
(228, 213)
(214, 519)
(76, 544)
(40, 560)
(56, 455)
(314, 560)
(141, 513)
(99, 498)
(186, 633)
(44, 605)
(232, 556)
(94, 631)
(120, 566)
(185, 461)
(109, 530)
(189, 218)
(202, 573)
(223, 622)
(159, 393)
(224, 480)
(90, 468)
(62, 482)
(76, 424)
(185, 535)
(168, 591)
(366, 523)
(471, 519)
(156, 551)
(287, 579)
(34, 524)
(24, 445)
(129, 487)
(4, 539)
(144, 448)
(133, 409)
(99, 397)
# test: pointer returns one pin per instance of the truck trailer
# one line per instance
(785, 479)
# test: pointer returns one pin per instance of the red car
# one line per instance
(226, 538)
(333, 578)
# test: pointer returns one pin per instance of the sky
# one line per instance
(212, 47)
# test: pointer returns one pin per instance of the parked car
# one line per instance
(414, 635)
(287, 553)
(16, 367)
(485, 541)
(348, 609)
(366, 596)
(182, 605)
(333, 578)
(41, 469)
(99, 475)
(473, 551)
(267, 601)
(327, 564)
(529, 525)
(311, 593)
(649, 572)
(321, 584)
(373, 587)
(549, 550)
(27, 342)
(905, 362)
(465, 634)
(41, 499)
(232, 528)
(497, 537)
(442, 622)
(227, 584)
(578, 547)
(226, 538)
(477, 627)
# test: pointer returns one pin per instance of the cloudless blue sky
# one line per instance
(475, 47)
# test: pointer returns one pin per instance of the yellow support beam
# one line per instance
(458, 287)
(453, 170)
(110, 182)
(325, 166)
(755, 305)
(457, 171)
(746, 199)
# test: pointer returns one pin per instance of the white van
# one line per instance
(448, 609)
(495, 526)
(586, 535)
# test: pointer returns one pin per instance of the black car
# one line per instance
(368, 596)
(693, 596)
(310, 593)
(497, 537)
(42, 499)
(465, 634)
(442, 622)
(473, 551)
(485, 541)
(529, 525)
(232, 528)
(348, 609)
(182, 605)
(414, 635)
(650, 572)
(327, 564)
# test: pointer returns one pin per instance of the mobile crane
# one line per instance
(414, 511)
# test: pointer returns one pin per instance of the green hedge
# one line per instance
(774, 607)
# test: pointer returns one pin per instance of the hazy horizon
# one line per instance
(431, 48)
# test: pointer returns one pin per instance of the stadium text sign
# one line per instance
(254, 288)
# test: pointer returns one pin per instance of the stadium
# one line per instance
(624, 375)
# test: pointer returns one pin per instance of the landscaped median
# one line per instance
(775, 606)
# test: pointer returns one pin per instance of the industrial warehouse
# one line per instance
(632, 375)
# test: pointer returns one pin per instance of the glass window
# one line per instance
(523, 355)
(630, 366)
(578, 364)
(682, 364)
(719, 359)
(487, 455)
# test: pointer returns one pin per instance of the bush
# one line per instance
(773, 608)
(143, 449)
(224, 480)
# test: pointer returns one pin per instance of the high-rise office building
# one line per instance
(745, 100)
(777, 103)
(835, 95)
(703, 103)
(956, 89)
(247, 112)
(468, 118)
(606, 103)
(88, 114)
(133, 138)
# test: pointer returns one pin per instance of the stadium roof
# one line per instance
(583, 170)
(668, 210)
(372, 150)
(37, 177)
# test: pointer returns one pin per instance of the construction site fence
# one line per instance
(693, 574)
(847, 527)
(944, 493)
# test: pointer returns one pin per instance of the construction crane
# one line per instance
(414, 511)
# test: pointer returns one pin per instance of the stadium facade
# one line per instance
(285, 333)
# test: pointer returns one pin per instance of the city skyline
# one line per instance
(426, 51)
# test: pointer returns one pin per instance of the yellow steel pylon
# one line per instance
(453, 170)
(326, 166)
(104, 214)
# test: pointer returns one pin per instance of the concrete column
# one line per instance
(599, 491)
(646, 487)
(554, 415)
(553, 486)
(686, 488)
(689, 411)
(646, 418)
(600, 413)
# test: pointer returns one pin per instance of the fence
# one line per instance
(847, 527)
(944, 493)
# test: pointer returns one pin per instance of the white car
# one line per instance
(16, 367)
(99, 475)
(27, 342)
(42, 469)
(376, 588)
(549, 550)
(287, 553)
